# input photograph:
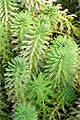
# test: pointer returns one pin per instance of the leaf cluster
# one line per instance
(38, 60)
(61, 59)
(24, 112)
(16, 79)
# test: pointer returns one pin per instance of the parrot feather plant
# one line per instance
(38, 60)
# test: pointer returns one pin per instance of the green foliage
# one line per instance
(69, 4)
(52, 12)
(77, 81)
(29, 26)
(16, 79)
(75, 114)
(60, 20)
(61, 60)
(23, 112)
(36, 42)
(3, 43)
(20, 26)
(36, 5)
(39, 91)
(2, 104)
(73, 7)
(62, 98)
(8, 9)
(5, 47)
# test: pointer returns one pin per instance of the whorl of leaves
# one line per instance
(24, 112)
(39, 91)
(16, 79)
(61, 60)
(36, 42)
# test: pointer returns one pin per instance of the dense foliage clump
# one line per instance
(39, 61)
